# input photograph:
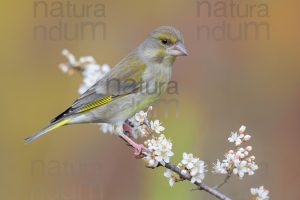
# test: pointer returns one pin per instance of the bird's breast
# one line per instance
(156, 78)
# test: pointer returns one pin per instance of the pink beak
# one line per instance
(177, 50)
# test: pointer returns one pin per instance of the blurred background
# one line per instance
(242, 68)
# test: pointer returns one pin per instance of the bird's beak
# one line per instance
(177, 50)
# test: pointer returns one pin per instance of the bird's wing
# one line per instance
(125, 78)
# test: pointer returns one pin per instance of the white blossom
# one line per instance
(70, 57)
(188, 160)
(64, 68)
(197, 178)
(140, 116)
(252, 166)
(249, 148)
(171, 176)
(151, 161)
(247, 138)
(141, 127)
(141, 130)
(194, 166)
(106, 128)
(236, 138)
(160, 151)
(240, 168)
(184, 171)
(198, 172)
(260, 193)
(87, 59)
(156, 126)
(91, 74)
(105, 68)
(111, 128)
(90, 70)
(138, 125)
(118, 129)
(220, 167)
(230, 156)
(239, 162)
(242, 129)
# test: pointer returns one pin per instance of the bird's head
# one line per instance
(163, 45)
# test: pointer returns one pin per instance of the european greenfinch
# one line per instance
(136, 82)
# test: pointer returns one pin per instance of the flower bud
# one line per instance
(249, 148)
(242, 129)
(247, 137)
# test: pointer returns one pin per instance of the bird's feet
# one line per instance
(138, 148)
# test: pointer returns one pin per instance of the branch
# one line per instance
(223, 182)
(187, 177)
(200, 186)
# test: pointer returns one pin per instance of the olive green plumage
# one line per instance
(130, 86)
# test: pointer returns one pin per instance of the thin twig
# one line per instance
(223, 182)
(200, 186)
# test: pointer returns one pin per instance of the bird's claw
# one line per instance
(138, 150)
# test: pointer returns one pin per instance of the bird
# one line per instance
(136, 82)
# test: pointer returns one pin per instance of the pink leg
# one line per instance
(138, 148)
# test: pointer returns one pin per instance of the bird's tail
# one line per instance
(51, 127)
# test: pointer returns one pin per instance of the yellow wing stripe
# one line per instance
(61, 123)
(97, 103)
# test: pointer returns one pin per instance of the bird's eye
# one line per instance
(164, 41)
